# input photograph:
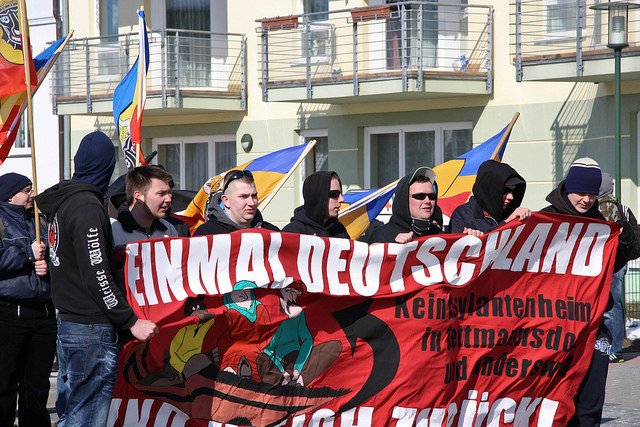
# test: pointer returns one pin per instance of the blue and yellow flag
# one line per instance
(267, 170)
(129, 99)
(456, 177)
(364, 207)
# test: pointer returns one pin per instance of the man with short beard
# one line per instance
(148, 199)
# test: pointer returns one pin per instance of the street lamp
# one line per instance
(618, 31)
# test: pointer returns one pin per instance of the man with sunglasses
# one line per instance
(27, 315)
(497, 194)
(414, 209)
(322, 193)
(235, 207)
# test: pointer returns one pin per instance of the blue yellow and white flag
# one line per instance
(363, 208)
(129, 99)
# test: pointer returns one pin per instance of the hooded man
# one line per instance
(497, 195)
(27, 316)
(235, 207)
(414, 209)
(322, 193)
(577, 196)
(92, 307)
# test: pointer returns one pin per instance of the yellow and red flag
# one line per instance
(12, 75)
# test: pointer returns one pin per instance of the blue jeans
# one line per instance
(613, 319)
(88, 366)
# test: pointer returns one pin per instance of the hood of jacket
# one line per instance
(489, 189)
(559, 200)
(50, 200)
(315, 191)
(400, 216)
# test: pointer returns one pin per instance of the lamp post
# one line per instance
(618, 32)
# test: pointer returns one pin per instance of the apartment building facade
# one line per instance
(383, 87)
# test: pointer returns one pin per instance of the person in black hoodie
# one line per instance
(497, 195)
(577, 195)
(92, 307)
(322, 193)
(414, 209)
(27, 316)
(235, 207)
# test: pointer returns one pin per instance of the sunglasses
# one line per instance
(334, 194)
(422, 196)
(236, 174)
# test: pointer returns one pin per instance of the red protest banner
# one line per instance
(260, 328)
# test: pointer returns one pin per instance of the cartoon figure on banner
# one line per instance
(219, 367)
(290, 356)
(186, 343)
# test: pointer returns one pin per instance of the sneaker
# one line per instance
(616, 358)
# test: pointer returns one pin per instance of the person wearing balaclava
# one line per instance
(497, 195)
(322, 192)
(414, 209)
(92, 307)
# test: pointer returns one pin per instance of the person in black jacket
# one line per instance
(235, 207)
(92, 306)
(322, 193)
(497, 195)
(27, 316)
(577, 195)
(414, 209)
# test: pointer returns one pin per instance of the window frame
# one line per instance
(309, 134)
(561, 35)
(211, 141)
(438, 128)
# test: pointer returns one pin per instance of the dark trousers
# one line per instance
(27, 349)
(590, 398)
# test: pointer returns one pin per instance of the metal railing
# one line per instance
(563, 31)
(409, 40)
(196, 63)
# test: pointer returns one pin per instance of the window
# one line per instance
(22, 139)
(318, 159)
(561, 17)
(392, 152)
(193, 160)
(109, 54)
(315, 6)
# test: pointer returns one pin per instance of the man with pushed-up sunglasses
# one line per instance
(322, 193)
(234, 207)
(497, 194)
(414, 209)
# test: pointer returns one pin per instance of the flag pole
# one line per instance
(284, 179)
(27, 72)
(505, 136)
(369, 197)
(139, 110)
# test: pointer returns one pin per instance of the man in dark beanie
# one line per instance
(322, 192)
(577, 196)
(92, 307)
(27, 316)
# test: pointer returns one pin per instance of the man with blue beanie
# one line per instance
(577, 196)
(92, 307)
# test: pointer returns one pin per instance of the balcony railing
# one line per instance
(553, 32)
(410, 42)
(181, 64)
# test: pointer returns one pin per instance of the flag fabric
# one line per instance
(12, 75)
(129, 99)
(12, 107)
(299, 330)
(456, 177)
(267, 170)
(363, 208)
